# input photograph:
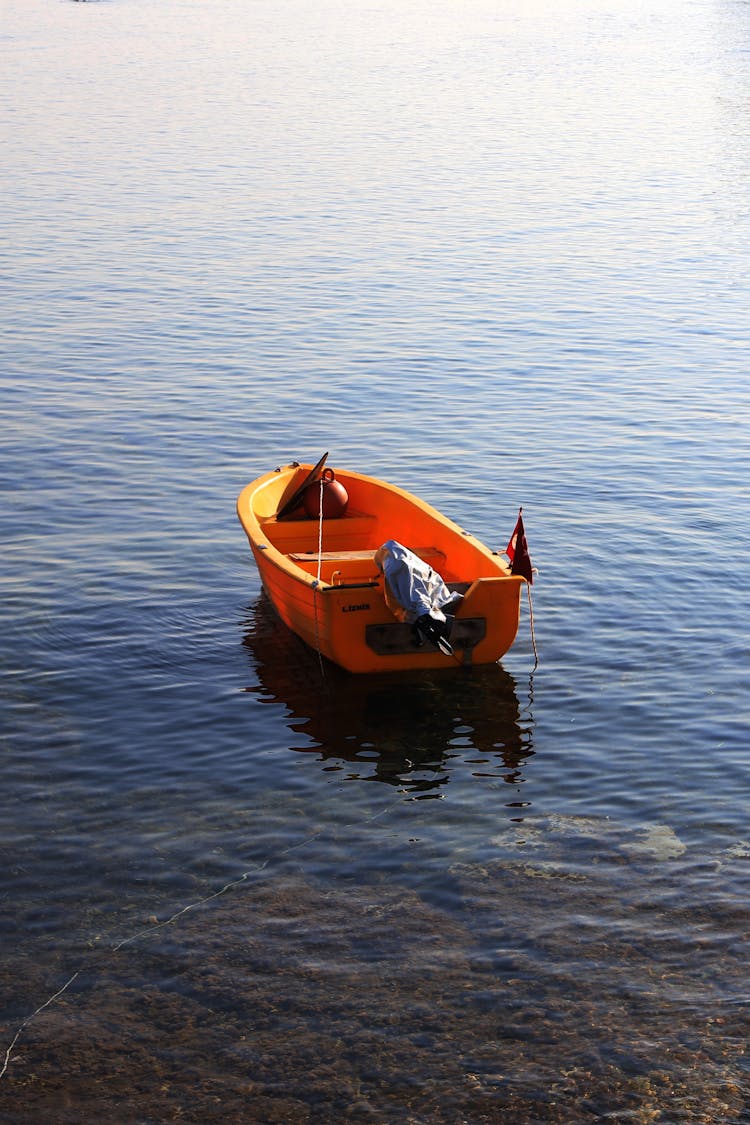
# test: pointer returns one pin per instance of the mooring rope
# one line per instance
(531, 622)
(254, 870)
(27, 1021)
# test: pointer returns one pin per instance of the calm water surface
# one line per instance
(498, 254)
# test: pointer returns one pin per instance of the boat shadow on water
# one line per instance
(413, 730)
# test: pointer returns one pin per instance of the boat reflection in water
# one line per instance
(413, 730)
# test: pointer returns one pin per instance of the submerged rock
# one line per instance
(658, 841)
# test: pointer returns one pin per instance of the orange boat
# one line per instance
(320, 571)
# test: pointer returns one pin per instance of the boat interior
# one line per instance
(349, 541)
(349, 546)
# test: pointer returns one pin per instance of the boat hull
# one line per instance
(324, 585)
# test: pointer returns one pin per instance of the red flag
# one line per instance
(518, 551)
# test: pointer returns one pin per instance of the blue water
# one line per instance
(499, 255)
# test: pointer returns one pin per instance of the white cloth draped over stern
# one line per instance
(416, 587)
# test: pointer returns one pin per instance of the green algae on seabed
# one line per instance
(531, 1000)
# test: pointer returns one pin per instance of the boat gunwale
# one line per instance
(261, 542)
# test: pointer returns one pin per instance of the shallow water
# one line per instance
(499, 257)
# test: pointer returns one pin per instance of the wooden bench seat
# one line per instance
(330, 556)
(425, 553)
(347, 528)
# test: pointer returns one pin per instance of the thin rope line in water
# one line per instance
(255, 869)
(22, 1027)
(531, 622)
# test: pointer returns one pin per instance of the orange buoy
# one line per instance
(334, 500)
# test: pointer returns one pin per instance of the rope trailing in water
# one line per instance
(531, 621)
(27, 1021)
(104, 952)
